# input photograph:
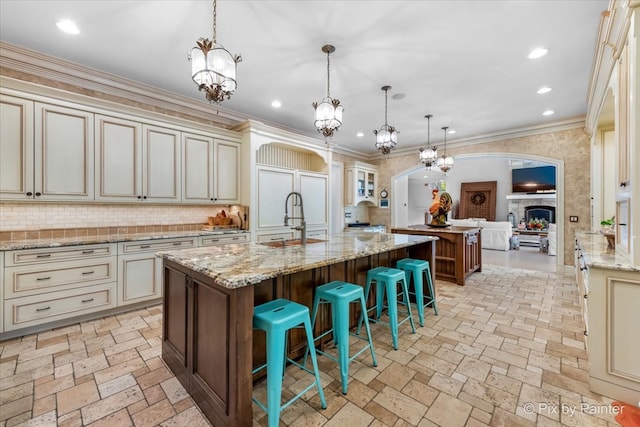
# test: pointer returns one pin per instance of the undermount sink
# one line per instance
(290, 242)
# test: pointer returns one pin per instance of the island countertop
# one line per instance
(243, 264)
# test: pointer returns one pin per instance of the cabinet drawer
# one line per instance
(317, 234)
(34, 310)
(36, 279)
(156, 245)
(274, 236)
(68, 253)
(222, 240)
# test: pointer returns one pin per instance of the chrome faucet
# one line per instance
(303, 224)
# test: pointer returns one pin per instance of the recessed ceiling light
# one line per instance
(68, 26)
(451, 131)
(359, 134)
(538, 52)
(548, 113)
(544, 89)
(276, 104)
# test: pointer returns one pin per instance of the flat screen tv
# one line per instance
(541, 179)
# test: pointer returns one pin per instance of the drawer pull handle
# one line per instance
(235, 238)
(145, 246)
(84, 273)
(43, 278)
(43, 256)
(87, 300)
(43, 309)
(88, 251)
(215, 240)
(177, 243)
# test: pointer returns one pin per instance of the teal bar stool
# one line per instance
(276, 318)
(419, 268)
(387, 280)
(340, 295)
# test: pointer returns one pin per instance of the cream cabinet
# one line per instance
(53, 284)
(140, 270)
(361, 183)
(210, 170)
(273, 185)
(137, 161)
(47, 151)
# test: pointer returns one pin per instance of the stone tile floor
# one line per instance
(507, 349)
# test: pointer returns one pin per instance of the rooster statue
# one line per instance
(440, 207)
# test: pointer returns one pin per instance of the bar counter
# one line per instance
(458, 253)
(210, 292)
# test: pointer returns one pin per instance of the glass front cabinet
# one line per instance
(361, 182)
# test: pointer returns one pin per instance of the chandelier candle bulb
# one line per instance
(328, 112)
(387, 136)
(429, 153)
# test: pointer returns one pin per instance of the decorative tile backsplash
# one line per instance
(39, 216)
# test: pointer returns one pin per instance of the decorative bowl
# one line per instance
(610, 235)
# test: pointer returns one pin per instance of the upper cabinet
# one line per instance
(210, 170)
(47, 151)
(361, 183)
(136, 161)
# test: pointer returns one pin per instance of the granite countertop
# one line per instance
(243, 264)
(54, 242)
(598, 254)
(452, 229)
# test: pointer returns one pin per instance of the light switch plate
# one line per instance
(573, 218)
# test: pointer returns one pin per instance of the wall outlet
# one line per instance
(573, 219)
(347, 214)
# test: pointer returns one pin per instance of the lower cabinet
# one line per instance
(52, 284)
(139, 270)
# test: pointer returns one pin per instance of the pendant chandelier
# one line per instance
(445, 163)
(328, 113)
(429, 153)
(387, 136)
(213, 68)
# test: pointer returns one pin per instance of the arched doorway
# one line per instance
(400, 184)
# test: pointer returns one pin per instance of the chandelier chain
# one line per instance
(215, 15)
(328, 75)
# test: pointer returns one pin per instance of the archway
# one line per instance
(399, 182)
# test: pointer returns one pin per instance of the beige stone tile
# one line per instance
(154, 414)
(42, 352)
(137, 406)
(90, 365)
(400, 404)
(174, 390)
(482, 416)
(505, 357)
(420, 392)
(16, 407)
(435, 363)
(72, 419)
(396, 376)
(44, 363)
(447, 411)
(474, 368)
(191, 417)
(115, 371)
(44, 405)
(50, 387)
(154, 377)
(15, 393)
(503, 382)
(380, 413)
(154, 394)
(116, 385)
(46, 419)
(111, 404)
(476, 402)
(490, 394)
(446, 384)
(120, 418)
(118, 358)
(76, 397)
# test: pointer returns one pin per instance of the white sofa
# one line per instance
(495, 234)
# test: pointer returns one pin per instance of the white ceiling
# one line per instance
(465, 62)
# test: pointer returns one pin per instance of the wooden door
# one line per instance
(478, 200)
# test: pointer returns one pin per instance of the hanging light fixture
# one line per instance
(445, 163)
(387, 136)
(328, 113)
(429, 153)
(213, 68)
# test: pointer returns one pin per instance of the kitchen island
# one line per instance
(209, 295)
(459, 251)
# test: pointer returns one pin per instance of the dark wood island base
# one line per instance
(459, 251)
(208, 340)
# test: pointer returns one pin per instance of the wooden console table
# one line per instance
(458, 252)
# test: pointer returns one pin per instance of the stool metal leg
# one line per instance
(314, 362)
(341, 334)
(405, 287)
(275, 351)
(366, 325)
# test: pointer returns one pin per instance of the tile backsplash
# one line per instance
(38, 216)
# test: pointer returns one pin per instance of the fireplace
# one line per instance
(545, 212)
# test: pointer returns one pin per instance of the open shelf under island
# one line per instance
(209, 295)
(458, 253)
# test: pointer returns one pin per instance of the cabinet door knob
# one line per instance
(29, 193)
(139, 197)
(144, 197)
(38, 194)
